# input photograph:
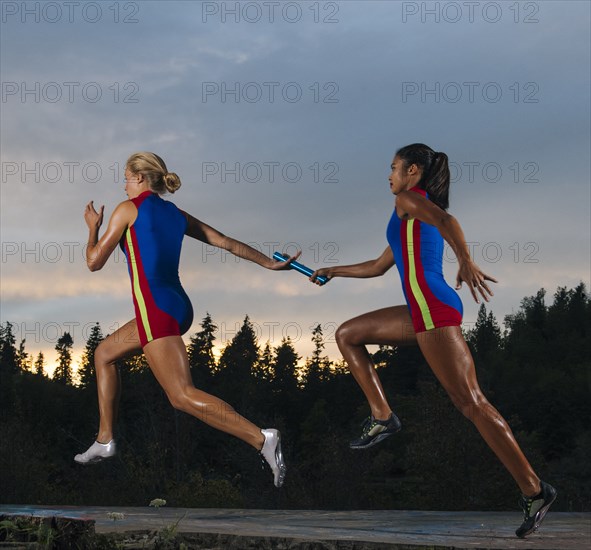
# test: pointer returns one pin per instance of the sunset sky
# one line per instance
(281, 120)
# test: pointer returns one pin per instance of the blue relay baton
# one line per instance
(300, 267)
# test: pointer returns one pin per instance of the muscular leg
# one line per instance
(123, 343)
(168, 360)
(451, 361)
(388, 326)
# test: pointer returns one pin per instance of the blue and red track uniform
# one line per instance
(418, 253)
(152, 245)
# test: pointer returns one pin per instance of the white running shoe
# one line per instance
(271, 452)
(97, 452)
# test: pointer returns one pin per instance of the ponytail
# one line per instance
(436, 183)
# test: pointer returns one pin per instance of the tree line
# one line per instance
(536, 371)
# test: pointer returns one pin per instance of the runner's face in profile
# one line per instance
(401, 177)
(396, 177)
(129, 178)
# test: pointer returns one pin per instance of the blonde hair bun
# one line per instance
(153, 168)
(171, 181)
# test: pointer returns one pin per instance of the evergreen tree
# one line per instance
(535, 310)
(23, 359)
(86, 372)
(265, 369)
(8, 369)
(580, 311)
(284, 399)
(236, 378)
(568, 321)
(526, 333)
(63, 372)
(200, 351)
(8, 352)
(485, 337)
(39, 364)
(285, 366)
(486, 342)
(317, 368)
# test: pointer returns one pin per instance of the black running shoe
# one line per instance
(535, 508)
(375, 431)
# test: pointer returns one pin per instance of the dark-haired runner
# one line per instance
(420, 180)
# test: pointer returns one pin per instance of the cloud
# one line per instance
(339, 205)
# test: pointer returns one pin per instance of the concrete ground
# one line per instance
(395, 529)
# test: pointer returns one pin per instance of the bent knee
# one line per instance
(346, 334)
(103, 354)
(180, 399)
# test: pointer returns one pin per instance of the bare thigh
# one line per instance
(390, 326)
(449, 357)
(123, 343)
(168, 361)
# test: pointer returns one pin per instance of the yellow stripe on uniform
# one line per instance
(412, 277)
(137, 291)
